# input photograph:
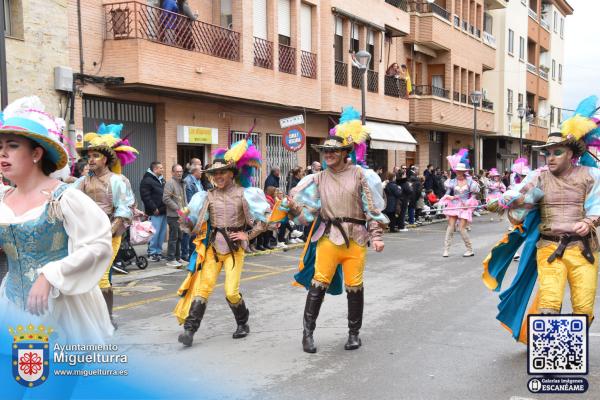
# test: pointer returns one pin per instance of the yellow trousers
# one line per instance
(329, 255)
(572, 267)
(105, 282)
(210, 272)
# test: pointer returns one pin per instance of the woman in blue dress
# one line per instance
(56, 239)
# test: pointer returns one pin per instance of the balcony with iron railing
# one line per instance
(431, 108)
(372, 81)
(489, 39)
(341, 73)
(401, 4)
(532, 14)
(427, 8)
(395, 87)
(545, 24)
(426, 90)
(287, 59)
(134, 20)
(487, 105)
(457, 21)
(357, 76)
(263, 53)
(532, 68)
(157, 50)
(308, 64)
(543, 72)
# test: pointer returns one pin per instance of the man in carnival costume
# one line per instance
(107, 154)
(218, 218)
(556, 211)
(345, 201)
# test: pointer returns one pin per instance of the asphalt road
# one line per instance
(429, 329)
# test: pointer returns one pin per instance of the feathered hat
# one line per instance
(578, 132)
(107, 140)
(242, 158)
(521, 166)
(494, 172)
(349, 134)
(459, 161)
(26, 117)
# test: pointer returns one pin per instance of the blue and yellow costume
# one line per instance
(344, 207)
(110, 190)
(212, 216)
(544, 208)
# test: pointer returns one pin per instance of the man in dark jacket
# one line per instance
(151, 192)
(392, 195)
(405, 197)
(273, 178)
(429, 177)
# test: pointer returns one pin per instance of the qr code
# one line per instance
(558, 344)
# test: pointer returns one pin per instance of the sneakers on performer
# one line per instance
(468, 253)
(445, 253)
(296, 234)
(476, 213)
(174, 264)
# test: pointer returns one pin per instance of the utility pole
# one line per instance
(3, 79)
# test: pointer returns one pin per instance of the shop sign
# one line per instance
(294, 138)
(197, 135)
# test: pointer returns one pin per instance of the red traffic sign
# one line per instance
(294, 138)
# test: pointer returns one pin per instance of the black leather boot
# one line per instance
(241, 314)
(355, 314)
(314, 299)
(192, 322)
(107, 293)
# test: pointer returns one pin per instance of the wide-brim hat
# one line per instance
(493, 172)
(333, 143)
(24, 126)
(557, 139)
(461, 167)
(104, 149)
(220, 164)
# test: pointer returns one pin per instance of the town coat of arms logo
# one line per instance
(30, 354)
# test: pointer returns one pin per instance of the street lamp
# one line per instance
(521, 114)
(361, 61)
(475, 99)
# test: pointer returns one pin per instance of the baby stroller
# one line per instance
(140, 232)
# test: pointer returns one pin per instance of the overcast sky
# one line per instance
(582, 55)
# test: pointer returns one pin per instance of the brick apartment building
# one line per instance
(193, 86)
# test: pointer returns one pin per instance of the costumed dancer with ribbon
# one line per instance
(219, 218)
(519, 171)
(494, 187)
(57, 240)
(459, 201)
(109, 189)
(556, 210)
(344, 203)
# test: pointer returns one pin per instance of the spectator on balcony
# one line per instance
(168, 21)
(184, 30)
(393, 70)
(406, 76)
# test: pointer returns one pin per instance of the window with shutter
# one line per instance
(283, 21)
(260, 19)
(306, 27)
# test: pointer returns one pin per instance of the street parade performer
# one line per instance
(495, 186)
(56, 239)
(218, 218)
(459, 201)
(344, 203)
(519, 171)
(556, 210)
(108, 153)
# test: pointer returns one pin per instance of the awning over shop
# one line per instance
(391, 137)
